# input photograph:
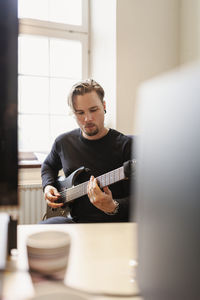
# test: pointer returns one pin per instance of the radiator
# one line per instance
(32, 205)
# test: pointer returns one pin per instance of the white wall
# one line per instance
(147, 45)
(190, 31)
(103, 52)
(29, 176)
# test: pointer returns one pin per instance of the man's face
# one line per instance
(89, 112)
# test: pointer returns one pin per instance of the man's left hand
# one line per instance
(103, 200)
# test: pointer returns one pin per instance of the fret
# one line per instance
(101, 181)
(111, 177)
(116, 175)
(122, 176)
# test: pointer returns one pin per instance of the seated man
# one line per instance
(99, 150)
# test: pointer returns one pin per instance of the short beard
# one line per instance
(92, 133)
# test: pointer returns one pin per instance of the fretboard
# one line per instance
(103, 180)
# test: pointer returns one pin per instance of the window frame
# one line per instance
(61, 31)
(79, 28)
(65, 31)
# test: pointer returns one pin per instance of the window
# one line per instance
(53, 55)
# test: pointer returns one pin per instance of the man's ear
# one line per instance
(104, 106)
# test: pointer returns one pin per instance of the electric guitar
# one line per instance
(70, 191)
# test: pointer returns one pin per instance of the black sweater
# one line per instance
(71, 150)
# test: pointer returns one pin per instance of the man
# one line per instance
(98, 149)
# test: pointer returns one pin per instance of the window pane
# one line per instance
(66, 11)
(59, 90)
(60, 124)
(33, 94)
(60, 11)
(33, 133)
(35, 9)
(33, 55)
(65, 58)
(48, 67)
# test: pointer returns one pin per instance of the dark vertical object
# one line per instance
(8, 102)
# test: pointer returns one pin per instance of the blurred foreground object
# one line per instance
(168, 185)
(48, 253)
(4, 223)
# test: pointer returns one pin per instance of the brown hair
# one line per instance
(83, 87)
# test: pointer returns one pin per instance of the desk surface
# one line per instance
(103, 257)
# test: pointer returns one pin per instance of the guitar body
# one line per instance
(63, 183)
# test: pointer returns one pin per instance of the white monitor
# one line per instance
(4, 223)
(168, 186)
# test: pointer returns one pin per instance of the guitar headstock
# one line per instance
(129, 168)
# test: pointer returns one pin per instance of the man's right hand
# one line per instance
(51, 194)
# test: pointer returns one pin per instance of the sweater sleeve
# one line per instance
(123, 213)
(125, 203)
(50, 167)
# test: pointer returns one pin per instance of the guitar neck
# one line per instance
(103, 180)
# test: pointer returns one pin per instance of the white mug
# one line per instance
(48, 253)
